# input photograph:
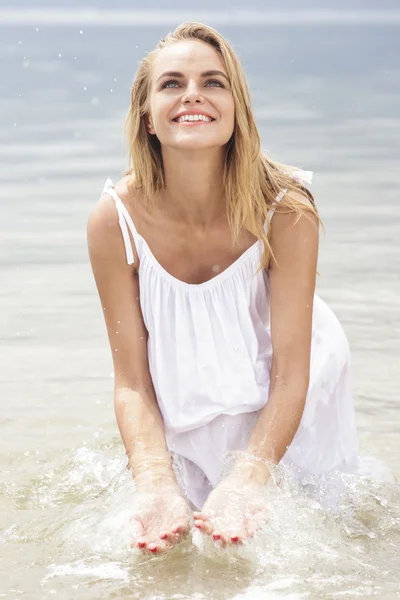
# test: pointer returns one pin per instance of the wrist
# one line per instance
(153, 481)
(152, 472)
(252, 470)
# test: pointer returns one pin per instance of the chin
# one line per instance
(197, 144)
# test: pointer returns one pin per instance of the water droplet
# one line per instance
(37, 28)
(81, 31)
(84, 88)
(111, 90)
(60, 55)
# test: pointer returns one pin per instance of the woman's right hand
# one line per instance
(161, 519)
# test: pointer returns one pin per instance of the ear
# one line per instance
(149, 125)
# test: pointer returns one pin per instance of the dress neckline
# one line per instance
(209, 282)
(256, 246)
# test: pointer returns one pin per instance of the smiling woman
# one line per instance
(218, 340)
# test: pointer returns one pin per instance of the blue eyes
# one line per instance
(166, 83)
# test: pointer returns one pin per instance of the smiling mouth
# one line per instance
(198, 122)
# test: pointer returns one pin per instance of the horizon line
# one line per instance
(122, 18)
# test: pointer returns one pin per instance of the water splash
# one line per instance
(80, 509)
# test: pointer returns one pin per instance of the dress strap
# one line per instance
(125, 221)
(272, 212)
(299, 176)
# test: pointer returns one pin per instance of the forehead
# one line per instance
(187, 55)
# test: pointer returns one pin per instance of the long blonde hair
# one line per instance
(251, 180)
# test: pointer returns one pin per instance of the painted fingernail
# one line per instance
(141, 544)
(216, 536)
(235, 538)
(153, 549)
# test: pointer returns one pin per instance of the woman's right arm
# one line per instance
(136, 408)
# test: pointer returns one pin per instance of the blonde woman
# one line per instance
(205, 258)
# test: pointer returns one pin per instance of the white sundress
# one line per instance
(209, 352)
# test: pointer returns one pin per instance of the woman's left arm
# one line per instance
(294, 242)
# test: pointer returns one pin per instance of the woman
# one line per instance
(218, 340)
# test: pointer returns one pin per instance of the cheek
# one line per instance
(229, 108)
(230, 112)
(160, 110)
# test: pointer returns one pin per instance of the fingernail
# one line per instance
(235, 538)
(216, 536)
(154, 549)
(141, 544)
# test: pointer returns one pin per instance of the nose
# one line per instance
(192, 94)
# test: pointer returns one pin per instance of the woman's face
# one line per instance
(190, 89)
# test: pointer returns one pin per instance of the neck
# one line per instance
(194, 185)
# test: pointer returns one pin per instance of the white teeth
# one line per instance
(193, 118)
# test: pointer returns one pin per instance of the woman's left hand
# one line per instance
(233, 511)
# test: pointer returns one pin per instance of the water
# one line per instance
(327, 99)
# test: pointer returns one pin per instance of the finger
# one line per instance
(153, 547)
(158, 547)
(171, 538)
(137, 531)
(142, 543)
(218, 536)
(236, 539)
(219, 539)
(182, 526)
(202, 525)
(200, 515)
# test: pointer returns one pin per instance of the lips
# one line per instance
(197, 121)
(191, 112)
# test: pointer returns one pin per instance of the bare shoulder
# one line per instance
(102, 224)
(103, 230)
(303, 218)
(295, 235)
(300, 197)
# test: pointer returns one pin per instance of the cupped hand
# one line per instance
(160, 521)
(233, 512)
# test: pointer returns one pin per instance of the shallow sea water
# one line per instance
(65, 496)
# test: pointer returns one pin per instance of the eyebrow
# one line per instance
(204, 74)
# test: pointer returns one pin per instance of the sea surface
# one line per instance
(326, 98)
